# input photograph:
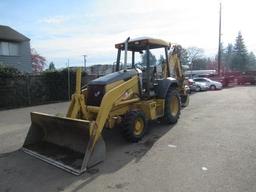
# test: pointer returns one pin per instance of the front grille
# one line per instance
(95, 94)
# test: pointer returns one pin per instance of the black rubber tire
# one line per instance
(198, 88)
(168, 116)
(129, 123)
(212, 87)
(184, 100)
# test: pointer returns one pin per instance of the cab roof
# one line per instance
(140, 44)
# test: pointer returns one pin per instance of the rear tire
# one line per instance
(172, 106)
(134, 126)
(184, 100)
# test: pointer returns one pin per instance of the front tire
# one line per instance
(134, 126)
(172, 106)
(212, 87)
(198, 88)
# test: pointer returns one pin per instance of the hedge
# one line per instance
(18, 90)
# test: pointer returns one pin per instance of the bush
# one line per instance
(8, 71)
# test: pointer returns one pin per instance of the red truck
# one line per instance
(247, 77)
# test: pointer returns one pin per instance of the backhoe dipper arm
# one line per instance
(174, 61)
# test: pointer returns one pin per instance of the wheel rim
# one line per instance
(212, 87)
(174, 105)
(138, 126)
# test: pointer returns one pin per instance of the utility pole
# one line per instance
(85, 62)
(219, 51)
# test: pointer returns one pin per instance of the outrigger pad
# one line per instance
(63, 142)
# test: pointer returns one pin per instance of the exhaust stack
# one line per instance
(125, 53)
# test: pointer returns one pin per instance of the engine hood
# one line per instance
(113, 77)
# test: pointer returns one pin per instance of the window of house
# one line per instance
(9, 49)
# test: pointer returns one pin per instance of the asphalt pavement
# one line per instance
(211, 149)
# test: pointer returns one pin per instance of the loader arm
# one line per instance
(107, 104)
(77, 103)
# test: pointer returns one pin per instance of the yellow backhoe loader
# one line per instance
(127, 98)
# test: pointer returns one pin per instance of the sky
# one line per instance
(63, 30)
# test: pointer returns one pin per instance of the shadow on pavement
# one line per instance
(21, 172)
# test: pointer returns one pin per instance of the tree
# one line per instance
(194, 53)
(228, 57)
(161, 60)
(201, 63)
(38, 61)
(184, 57)
(51, 67)
(6, 71)
(240, 54)
(152, 59)
(251, 61)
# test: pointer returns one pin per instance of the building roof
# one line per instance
(7, 33)
(139, 44)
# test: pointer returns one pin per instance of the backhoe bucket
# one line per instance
(63, 142)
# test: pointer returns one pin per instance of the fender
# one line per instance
(163, 85)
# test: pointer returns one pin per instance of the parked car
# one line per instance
(201, 86)
(213, 85)
(226, 79)
(191, 84)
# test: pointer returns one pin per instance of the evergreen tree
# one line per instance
(251, 61)
(227, 57)
(51, 67)
(240, 55)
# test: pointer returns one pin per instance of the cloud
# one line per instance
(54, 20)
(94, 32)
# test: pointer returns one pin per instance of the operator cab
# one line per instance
(136, 47)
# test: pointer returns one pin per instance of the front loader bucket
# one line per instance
(63, 142)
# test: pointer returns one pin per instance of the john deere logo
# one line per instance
(96, 94)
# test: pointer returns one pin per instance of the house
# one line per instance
(15, 49)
